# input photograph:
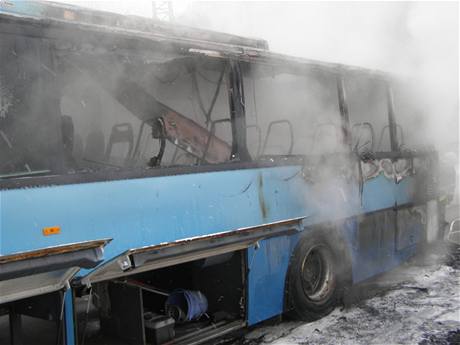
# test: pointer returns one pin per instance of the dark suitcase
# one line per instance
(159, 329)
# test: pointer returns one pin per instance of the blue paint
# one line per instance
(145, 211)
(378, 193)
(193, 303)
(25, 8)
(266, 279)
(148, 211)
(381, 192)
(405, 190)
(368, 261)
(69, 318)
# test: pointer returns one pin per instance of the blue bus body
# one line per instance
(380, 219)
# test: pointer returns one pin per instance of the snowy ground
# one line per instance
(418, 303)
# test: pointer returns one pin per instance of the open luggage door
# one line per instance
(46, 270)
(172, 253)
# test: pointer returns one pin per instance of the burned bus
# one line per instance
(165, 184)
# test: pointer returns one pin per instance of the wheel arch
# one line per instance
(334, 234)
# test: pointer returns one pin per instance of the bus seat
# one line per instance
(78, 147)
(363, 137)
(95, 146)
(67, 131)
(121, 133)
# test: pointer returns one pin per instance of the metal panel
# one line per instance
(378, 193)
(409, 227)
(162, 255)
(378, 244)
(149, 211)
(143, 26)
(46, 270)
(38, 284)
(84, 255)
(267, 267)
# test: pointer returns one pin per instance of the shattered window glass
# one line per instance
(67, 108)
(153, 114)
(29, 118)
(292, 113)
(368, 112)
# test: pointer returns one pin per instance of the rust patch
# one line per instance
(34, 254)
(193, 138)
(262, 204)
(241, 232)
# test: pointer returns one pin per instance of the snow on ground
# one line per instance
(418, 303)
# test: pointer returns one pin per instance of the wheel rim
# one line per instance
(317, 274)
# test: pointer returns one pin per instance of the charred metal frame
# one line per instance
(207, 112)
(232, 56)
(237, 111)
(269, 129)
(343, 107)
(391, 119)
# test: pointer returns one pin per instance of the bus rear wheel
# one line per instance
(313, 281)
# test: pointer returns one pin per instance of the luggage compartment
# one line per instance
(187, 303)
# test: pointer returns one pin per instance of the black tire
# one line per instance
(313, 280)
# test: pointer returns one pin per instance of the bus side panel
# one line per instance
(405, 190)
(383, 240)
(21, 7)
(385, 235)
(378, 193)
(147, 211)
(267, 268)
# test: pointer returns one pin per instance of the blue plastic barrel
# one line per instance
(193, 304)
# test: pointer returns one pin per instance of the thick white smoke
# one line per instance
(416, 41)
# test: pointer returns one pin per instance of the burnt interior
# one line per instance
(138, 108)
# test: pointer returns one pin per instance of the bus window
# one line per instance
(77, 109)
(368, 112)
(30, 133)
(292, 113)
(410, 116)
(155, 114)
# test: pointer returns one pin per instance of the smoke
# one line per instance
(415, 41)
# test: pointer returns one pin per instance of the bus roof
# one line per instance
(52, 17)
(77, 14)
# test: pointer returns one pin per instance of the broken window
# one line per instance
(368, 112)
(81, 108)
(411, 114)
(29, 125)
(156, 113)
(292, 113)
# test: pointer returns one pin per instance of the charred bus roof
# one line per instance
(71, 23)
(64, 13)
